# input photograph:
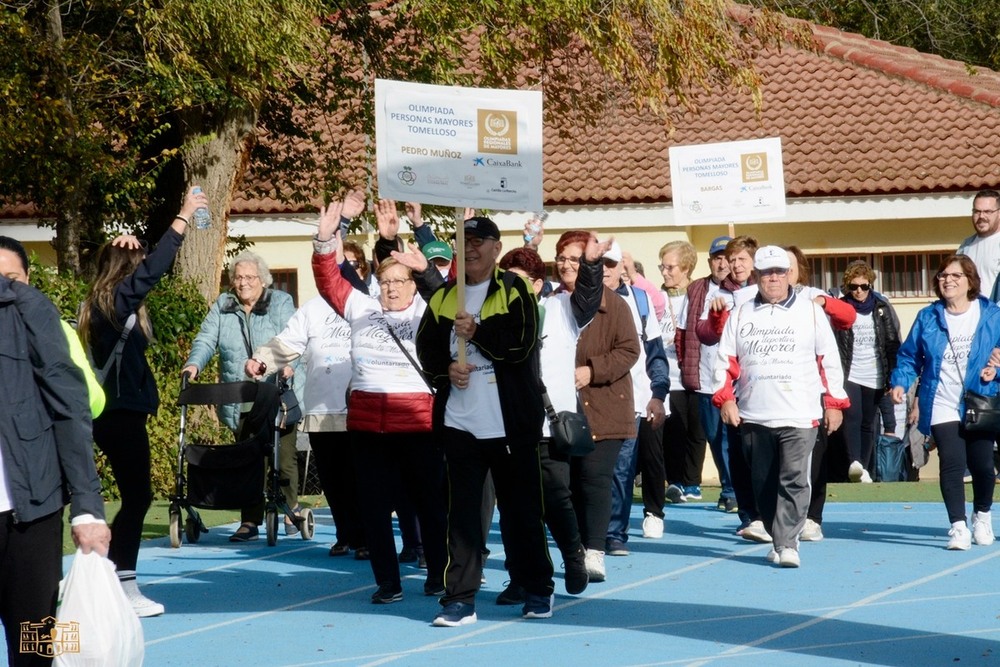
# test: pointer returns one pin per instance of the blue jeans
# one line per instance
(621, 488)
(715, 433)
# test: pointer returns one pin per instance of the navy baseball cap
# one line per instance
(719, 245)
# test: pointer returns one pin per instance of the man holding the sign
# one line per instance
(488, 414)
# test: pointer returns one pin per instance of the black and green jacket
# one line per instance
(507, 333)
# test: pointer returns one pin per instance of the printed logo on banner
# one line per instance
(754, 166)
(406, 176)
(497, 131)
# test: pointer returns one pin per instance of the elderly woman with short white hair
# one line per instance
(244, 317)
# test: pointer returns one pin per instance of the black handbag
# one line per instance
(982, 413)
(291, 413)
(569, 431)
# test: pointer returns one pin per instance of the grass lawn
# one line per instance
(912, 492)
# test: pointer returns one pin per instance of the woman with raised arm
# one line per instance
(116, 302)
(390, 403)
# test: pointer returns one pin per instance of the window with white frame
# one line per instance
(897, 275)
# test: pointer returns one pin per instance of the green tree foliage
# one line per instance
(177, 310)
(111, 108)
(957, 29)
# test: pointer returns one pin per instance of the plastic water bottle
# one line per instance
(535, 228)
(202, 216)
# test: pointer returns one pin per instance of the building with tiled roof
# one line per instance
(883, 148)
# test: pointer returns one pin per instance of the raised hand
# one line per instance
(387, 218)
(469, 213)
(412, 259)
(127, 241)
(354, 204)
(595, 250)
(329, 220)
(412, 210)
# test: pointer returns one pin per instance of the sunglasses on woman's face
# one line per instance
(854, 287)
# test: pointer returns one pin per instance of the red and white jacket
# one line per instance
(780, 363)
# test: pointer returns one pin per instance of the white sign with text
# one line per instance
(454, 146)
(735, 181)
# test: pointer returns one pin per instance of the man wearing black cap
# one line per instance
(489, 415)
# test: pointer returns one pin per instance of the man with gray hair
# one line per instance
(768, 384)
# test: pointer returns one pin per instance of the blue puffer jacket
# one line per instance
(228, 329)
(922, 353)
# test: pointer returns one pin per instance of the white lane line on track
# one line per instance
(229, 564)
(840, 611)
(464, 636)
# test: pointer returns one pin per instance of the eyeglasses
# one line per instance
(475, 241)
(245, 279)
(393, 282)
(563, 259)
(854, 287)
(942, 277)
(984, 211)
(668, 267)
(773, 272)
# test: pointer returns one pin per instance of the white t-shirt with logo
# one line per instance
(672, 319)
(864, 364)
(706, 364)
(985, 254)
(379, 365)
(475, 409)
(323, 338)
(961, 330)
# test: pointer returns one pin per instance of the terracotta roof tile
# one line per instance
(856, 117)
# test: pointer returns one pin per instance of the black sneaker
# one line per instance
(362, 553)
(511, 595)
(731, 506)
(387, 594)
(537, 606)
(433, 588)
(408, 555)
(576, 577)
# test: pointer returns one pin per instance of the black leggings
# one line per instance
(121, 435)
(959, 449)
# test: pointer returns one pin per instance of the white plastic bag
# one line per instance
(93, 609)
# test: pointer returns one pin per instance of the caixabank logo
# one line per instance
(49, 637)
(497, 131)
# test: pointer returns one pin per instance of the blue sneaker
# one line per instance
(456, 614)
(538, 606)
(692, 493)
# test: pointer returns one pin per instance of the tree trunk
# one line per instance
(214, 153)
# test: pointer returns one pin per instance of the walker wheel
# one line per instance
(175, 527)
(308, 525)
(192, 530)
(271, 522)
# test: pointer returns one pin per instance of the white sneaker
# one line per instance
(652, 527)
(789, 557)
(982, 529)
(141, 605)
(773, 557)
(865, 477)
(594, 561)
(755, 533)
(855, 471)
(811, 532)
(961, 538)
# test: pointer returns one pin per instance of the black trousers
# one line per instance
(387, 463)
(517, 479)
(739, 475)
(684, 441)
(121, 435)
(590, 484)
(335, 467)
(30, 570)
(820, 474)
(560, 517)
